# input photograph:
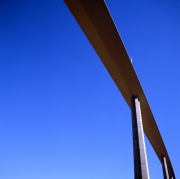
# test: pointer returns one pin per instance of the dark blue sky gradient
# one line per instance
(61, 115)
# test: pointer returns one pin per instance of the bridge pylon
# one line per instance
(140, 159)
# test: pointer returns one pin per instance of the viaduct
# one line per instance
(98, 26)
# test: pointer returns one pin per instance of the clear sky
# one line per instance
(61, 115)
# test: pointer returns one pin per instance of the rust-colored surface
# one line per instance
(97, 24)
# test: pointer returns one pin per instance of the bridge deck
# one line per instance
(97, 24)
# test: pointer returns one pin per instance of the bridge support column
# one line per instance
(140, 159)
(165, 169)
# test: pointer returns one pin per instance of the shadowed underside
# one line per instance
(97, 24)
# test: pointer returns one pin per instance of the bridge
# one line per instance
(97, 24)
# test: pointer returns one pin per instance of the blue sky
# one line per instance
(62, 116)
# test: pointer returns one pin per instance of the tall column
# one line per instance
(165, 169)
(140, 159)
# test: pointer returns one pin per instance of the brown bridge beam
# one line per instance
(97, 24)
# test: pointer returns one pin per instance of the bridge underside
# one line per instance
(97, 24)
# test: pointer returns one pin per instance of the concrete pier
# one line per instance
(140, 159)
(165, 169)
